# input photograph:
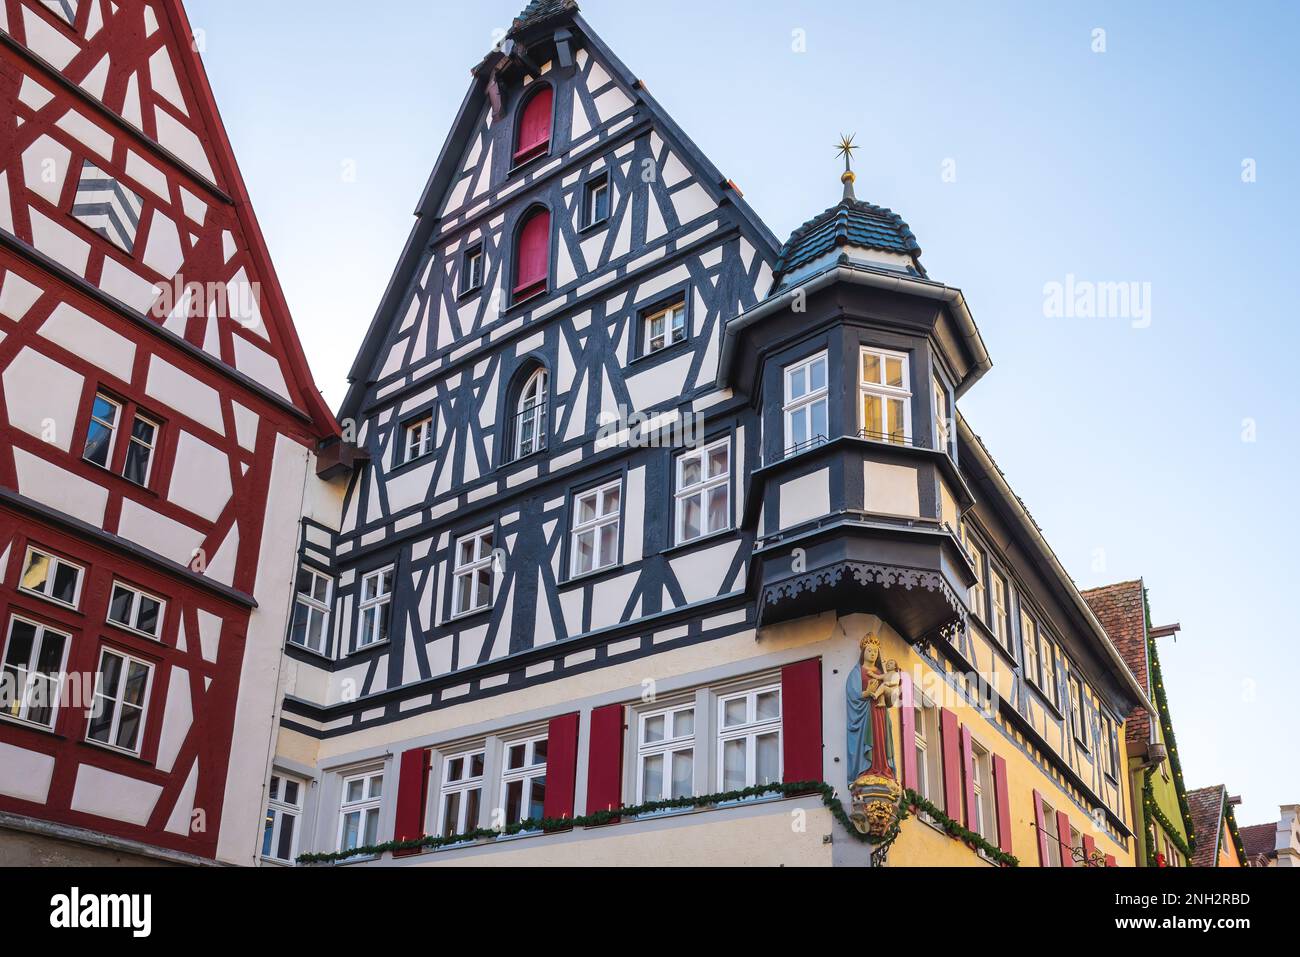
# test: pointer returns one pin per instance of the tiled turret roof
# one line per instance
(850, 223)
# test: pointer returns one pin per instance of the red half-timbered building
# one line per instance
(159, 422)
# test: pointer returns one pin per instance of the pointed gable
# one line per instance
(115, 128)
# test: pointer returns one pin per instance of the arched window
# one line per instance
(530, 416)
(533, 127)
(532, 254)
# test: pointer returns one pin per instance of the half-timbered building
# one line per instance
(159, 423)
(632, 481)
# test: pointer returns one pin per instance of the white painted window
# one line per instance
(359, 810)
(977, 593)
(473, 275)
(1029, 638)
(530, 416)
(665, 327)
(461, 793)
(523, 780)
(805, 404)
(1053, 836)
(102, 432)
(704, 491)
(942, 426)
(929, 754)
(1109, 746)
(749, 738)
(472, 576)
(52, 578)
(986, 819)
(139, 450)
(311, 610)
(594, 535)
(1001, 623)
(419, 438)
(1076, 712)
(375, 607)
(121, 697)
(135, 610)
(596, 201)
(32, 679)
(886, 397)
(666, 754)
(1050, 680)
(283, 812)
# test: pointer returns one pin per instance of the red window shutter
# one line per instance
(908, 744)
(533, 254)
(968, 769)
(561, 766)
(1089, 849)
(1110, 860)
(951, 764)
(1040, 825)
(801, 721)
(605, 759)
(534, 131)
(1063, 837)
(412, 796)
(1001, 794)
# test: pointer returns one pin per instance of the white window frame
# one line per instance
(467, 573)
(749, 732)
(590, 192)
(1029, 640)
(595, 526)
(886, 393)
(54, 563)
(807, 401)
(115, 725)
(527, 773)
(701, 490)
(929, 753)
(671, 327)
(111, 426)
(1000, 607)
(24, 694)
(368, 805)
(278, 810)
(942, 433)
(1051, 678)
(314, 606)
(417, 439)
(149, 447)
(531, 409)
(474, 256)
(978, 594)
(133, 610)
(1075, 690)
(986, 824)
(377, 604)
(666, 748)
(1053, 835)
(461, 787)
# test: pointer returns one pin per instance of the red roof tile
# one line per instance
(1207, 819)
(1121, 609)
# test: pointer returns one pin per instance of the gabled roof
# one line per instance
(851, 222)
(1207, 816)
(551, 13)
(1121, 609)
(1260, 840)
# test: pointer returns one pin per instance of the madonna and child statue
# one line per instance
(873, 686)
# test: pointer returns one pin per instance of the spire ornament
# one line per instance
(845, 148)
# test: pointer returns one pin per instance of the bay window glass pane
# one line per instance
(372, 825)
(267, 831)
(690, 518)
(684, 723)
(894, 372)
(767, 758)
(683, 773)
(870, 367)
(718, 508)
(354, 789)
(733, 765)
(798, 383)
(586, 547)
(483, 587)
(871, 414)
(652, 777)
(586, 508)
(608, 544)
(351, 829)
(768, 705)
(818, 418)
(717, 461)
(690, 470)
(799, 426)
(734, 712)
(817, 375)
(895, 429)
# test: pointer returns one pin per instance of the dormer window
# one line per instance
(533, 128)
(532, 255)
(886, 399)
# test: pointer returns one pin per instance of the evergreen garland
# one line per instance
(910, 799)
(1167, 731)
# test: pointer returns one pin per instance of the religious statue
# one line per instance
(872, 687)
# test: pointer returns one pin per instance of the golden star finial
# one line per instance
(845, 148)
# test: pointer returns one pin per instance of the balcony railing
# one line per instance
(527, 432)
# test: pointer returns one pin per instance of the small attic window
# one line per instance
(533, 127)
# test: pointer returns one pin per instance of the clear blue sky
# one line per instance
(1122, 166)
